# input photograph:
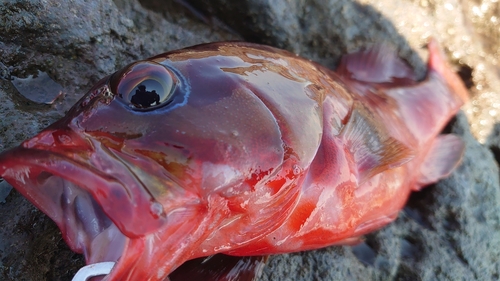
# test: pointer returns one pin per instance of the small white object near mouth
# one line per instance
(93, 270)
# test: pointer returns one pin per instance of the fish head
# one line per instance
(149, 158)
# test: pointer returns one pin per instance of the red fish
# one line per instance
(240, 149)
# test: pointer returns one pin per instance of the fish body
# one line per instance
(239, 149)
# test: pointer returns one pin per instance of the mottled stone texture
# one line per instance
(449, 231)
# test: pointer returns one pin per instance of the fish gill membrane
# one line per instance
(337, 163)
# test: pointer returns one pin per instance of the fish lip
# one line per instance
(100, 169)
(29, 170)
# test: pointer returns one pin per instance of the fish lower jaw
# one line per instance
(85, 226)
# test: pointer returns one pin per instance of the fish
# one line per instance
(211, 157)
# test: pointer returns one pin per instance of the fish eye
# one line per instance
(144, 85)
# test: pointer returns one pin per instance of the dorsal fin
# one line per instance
(372, 148)
(377, 64)
(384, 80)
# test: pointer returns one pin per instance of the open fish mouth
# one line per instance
(60, 188)
(88, 228)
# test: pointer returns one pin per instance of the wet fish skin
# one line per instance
(246, 150)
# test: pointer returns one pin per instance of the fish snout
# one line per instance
(62, 140)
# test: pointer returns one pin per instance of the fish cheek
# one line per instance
(232, 138)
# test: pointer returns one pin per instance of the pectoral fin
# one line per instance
(372, 148)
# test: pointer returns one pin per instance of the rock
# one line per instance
(449, 231)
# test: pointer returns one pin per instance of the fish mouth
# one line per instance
(108, 214)
(85, 226)
(60, 187)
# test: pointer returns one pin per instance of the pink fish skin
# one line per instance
(240, 149)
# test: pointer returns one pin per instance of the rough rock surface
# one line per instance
(449, 231)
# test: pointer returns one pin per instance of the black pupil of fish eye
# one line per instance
(144, 85)
(146, 94)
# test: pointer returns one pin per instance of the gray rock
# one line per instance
(449, 231)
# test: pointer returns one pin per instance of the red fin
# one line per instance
(438, 63)
(427, 106)
(371, 146)
(444, 156)
(378, 64)
(385, 82)
(220, 268)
